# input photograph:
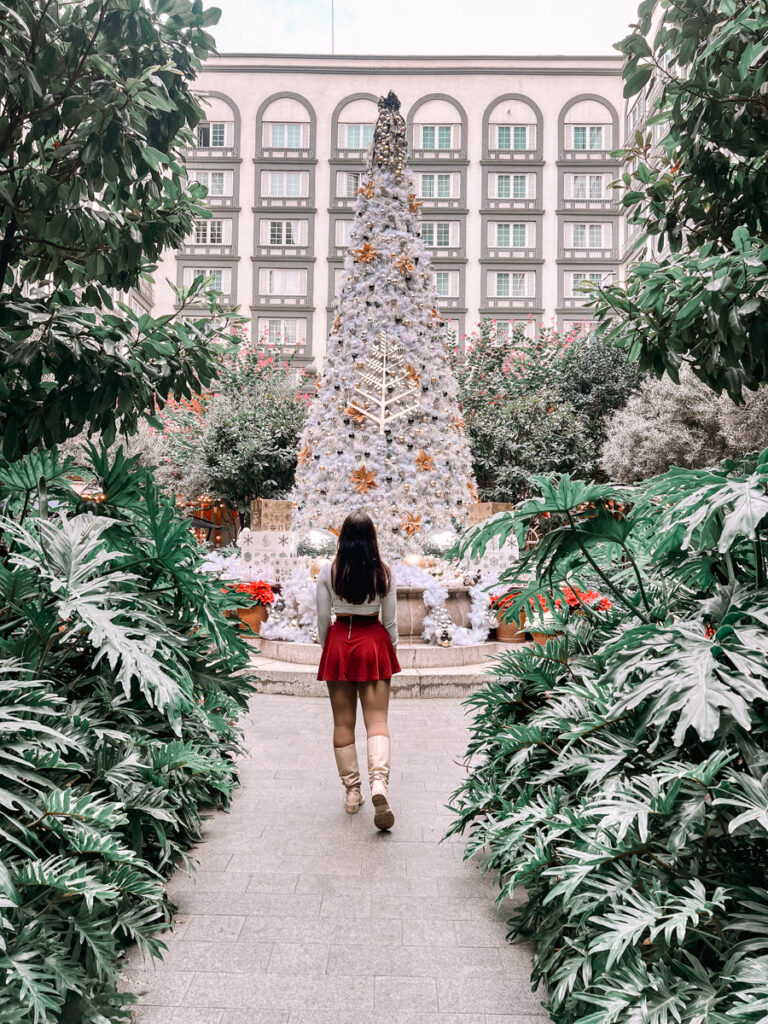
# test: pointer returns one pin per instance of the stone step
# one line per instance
(300, 680)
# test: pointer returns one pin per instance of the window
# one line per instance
(284, 232)
(436, 136)
(519, 236)
(578, 278)
(443, 234)
(519, 284)
(355, 136)
(218, 183)
(520, 137)
(436, 186)
(211, 134)
(446, 282)
(282, 282)
(347, 184)
(343, 232)
(588, 136)
(428, 234)
(512, 186)
(209, 232)
(587, 236)
(502, 236)
(285, 184)
(502, 284)
(286, 136)
(220, 278)
(504, 137)
(279, 331)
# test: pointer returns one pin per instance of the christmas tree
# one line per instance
(384, 431)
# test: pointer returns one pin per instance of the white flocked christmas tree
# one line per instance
(384, 431)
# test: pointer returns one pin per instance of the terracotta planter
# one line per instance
(512, 632)
(541, 638)
(254, 616)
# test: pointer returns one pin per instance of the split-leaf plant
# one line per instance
(120, 684)
(618, 772)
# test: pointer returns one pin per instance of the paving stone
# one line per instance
(221, 957)
(278, 991)
(491, 993)
(171, 1015)
(393, 994)
(302, 914)
(155, 988)
(416, 961)
(300, 958)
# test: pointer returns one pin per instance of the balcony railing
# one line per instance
(419, 153)
(350, 153)
(448, 301)
(283, 300)
(205, 152)
(507, 252)
(510, 203)
(283, 202)
(575, 301)
(510, 301)
(285, 153)
(570, 252)
(438, 252)
(441, 202)
(589, 204)
(267, 249)
(214, 201)
(223, 299)
(513, 154)
(208, 249)
(588, 155)
(344, 202)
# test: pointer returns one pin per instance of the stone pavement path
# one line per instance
(302, 914)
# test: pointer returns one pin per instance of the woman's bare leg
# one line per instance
(374, 698)
(344, 707)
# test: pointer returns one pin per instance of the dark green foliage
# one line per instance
(618, 773)
(91, 192)
(242, 442)
(596, 377)
(537, 405)
(120, 681)
(703, 193)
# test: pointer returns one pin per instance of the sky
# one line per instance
(471, 27)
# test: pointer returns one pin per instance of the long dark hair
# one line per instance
(358, 573)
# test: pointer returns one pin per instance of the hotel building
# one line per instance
(511, 158)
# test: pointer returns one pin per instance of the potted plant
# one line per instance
(256, 611)
(509, 631)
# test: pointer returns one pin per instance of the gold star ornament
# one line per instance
(365, 255)
(404, 265)
(304, 455)
(363, 480)
(410, 523)
(425, 463)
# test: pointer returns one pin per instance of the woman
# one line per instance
(359, 656)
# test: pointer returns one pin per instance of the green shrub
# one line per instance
(240, 442)
(619, 771)
(120, 682)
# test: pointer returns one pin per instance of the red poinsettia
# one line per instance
(573, 597)
(260, 592)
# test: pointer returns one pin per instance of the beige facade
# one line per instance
(511, 156)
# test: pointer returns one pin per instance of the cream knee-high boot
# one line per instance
(349, 772)
(378, 776)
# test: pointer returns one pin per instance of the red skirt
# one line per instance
(361, 654)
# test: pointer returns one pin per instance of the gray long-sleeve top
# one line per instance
(327, 599)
